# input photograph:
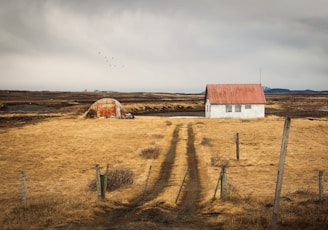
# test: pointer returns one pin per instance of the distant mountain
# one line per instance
(269, 90)
(276, 90)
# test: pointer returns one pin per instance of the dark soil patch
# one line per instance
(27, 108)
(19, 121)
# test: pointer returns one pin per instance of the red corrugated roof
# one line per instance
(235, 94)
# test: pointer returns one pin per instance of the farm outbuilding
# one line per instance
(234, 101)
(105, 108)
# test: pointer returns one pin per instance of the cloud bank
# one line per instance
(171, 46)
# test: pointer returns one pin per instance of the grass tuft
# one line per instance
(168, 123)
(206, 142)
(150, 153)
(116, 179)
(218, 161)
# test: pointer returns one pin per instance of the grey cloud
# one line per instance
(167, 40)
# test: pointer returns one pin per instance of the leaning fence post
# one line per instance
(283, 152)
(224, 183)
(321, 186)
(98, 181)
(182, 182)
(23, 187)
(147, 180)
(217, 186)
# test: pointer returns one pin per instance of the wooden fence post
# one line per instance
(98, 181)
(236, 137)
(23, 187)
(224, 183)
(147, 180)
(321, 186)
(182, 182)
(283, 152)
(104, 183)
(217, 186)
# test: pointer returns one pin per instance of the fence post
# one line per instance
(147, 180)
(321, 186)
(283, 152)
(98, 181)
(217, 186)
(224, 183)
(103, 183)
(236, 137)
(102, 186)
(23, 187)
(182, 182)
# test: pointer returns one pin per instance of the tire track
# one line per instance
(188, 207)
(165, 172)
(189, 201)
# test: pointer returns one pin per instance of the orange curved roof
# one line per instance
(108, 107)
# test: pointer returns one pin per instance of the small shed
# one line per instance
(234, 101)
(105, 108)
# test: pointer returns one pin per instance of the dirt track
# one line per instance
(186, 214)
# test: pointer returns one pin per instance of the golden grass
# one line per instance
(59, 158)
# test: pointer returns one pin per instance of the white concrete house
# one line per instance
(234, 101)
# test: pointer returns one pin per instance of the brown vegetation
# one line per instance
(150, 153)
(58, 152)
(116, 179)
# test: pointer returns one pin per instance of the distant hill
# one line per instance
(277, 90)
(269, 90)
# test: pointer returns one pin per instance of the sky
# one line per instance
(162, 46)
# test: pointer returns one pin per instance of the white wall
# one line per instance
(219, 111)
(207, 109)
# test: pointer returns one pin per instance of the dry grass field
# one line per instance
(58, 152)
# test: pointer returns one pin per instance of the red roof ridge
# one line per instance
(235, 94)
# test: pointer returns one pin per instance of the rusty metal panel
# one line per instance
(108, 107)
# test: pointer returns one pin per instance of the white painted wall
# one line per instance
(219, 111)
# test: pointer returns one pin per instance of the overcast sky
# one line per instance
(162, 46)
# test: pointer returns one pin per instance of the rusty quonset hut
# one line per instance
(106, 108)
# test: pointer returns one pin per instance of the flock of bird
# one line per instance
(111, 61)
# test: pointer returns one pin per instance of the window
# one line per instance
(248, 106)
(237, 108)
(228, 108)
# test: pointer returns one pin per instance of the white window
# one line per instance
(228, 108)
(237, 108)
(248, 106)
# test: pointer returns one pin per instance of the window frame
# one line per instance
(238, 108)
(228, 108)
